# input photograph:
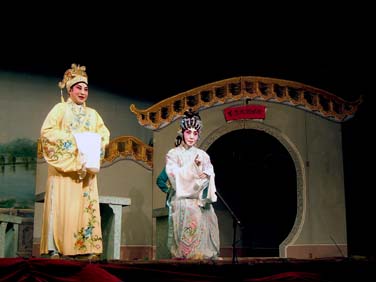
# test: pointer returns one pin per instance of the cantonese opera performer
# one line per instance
(73, 138)
(193, 225)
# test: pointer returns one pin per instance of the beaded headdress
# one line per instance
(72, 76)
(191, 119)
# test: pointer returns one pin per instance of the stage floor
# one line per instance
(245, 269)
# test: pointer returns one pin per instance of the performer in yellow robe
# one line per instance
(71, 217)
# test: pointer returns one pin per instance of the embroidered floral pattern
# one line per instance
(190, 238)
(84, 237)
(58, 150)
(81, 120)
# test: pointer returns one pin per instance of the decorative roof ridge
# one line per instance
(287, 92)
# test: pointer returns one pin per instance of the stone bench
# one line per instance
(9, 225)
(111, 213)
(161, 216)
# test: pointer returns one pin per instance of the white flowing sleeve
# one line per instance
(210, 195)
(185, 177)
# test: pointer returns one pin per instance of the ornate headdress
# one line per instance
(72, 76)
(191, 120)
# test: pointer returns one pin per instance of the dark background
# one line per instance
(154, 53)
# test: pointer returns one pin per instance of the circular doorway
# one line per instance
(256, 177)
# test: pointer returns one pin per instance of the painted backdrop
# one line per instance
(25, 100)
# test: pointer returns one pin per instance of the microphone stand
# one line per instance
(235, 222)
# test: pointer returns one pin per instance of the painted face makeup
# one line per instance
(79, 93)
(190, 137)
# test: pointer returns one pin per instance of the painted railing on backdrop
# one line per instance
(248, 88)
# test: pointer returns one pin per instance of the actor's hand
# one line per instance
(197, 160)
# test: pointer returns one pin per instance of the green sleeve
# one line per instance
(162, 181)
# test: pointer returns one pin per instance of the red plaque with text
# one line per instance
(245, 112)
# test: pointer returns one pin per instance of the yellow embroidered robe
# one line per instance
(71, 216)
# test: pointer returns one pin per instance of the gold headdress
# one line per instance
(72, 76)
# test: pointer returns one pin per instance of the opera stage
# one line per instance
(245, 269)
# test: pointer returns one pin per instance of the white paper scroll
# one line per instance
(89, 145)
